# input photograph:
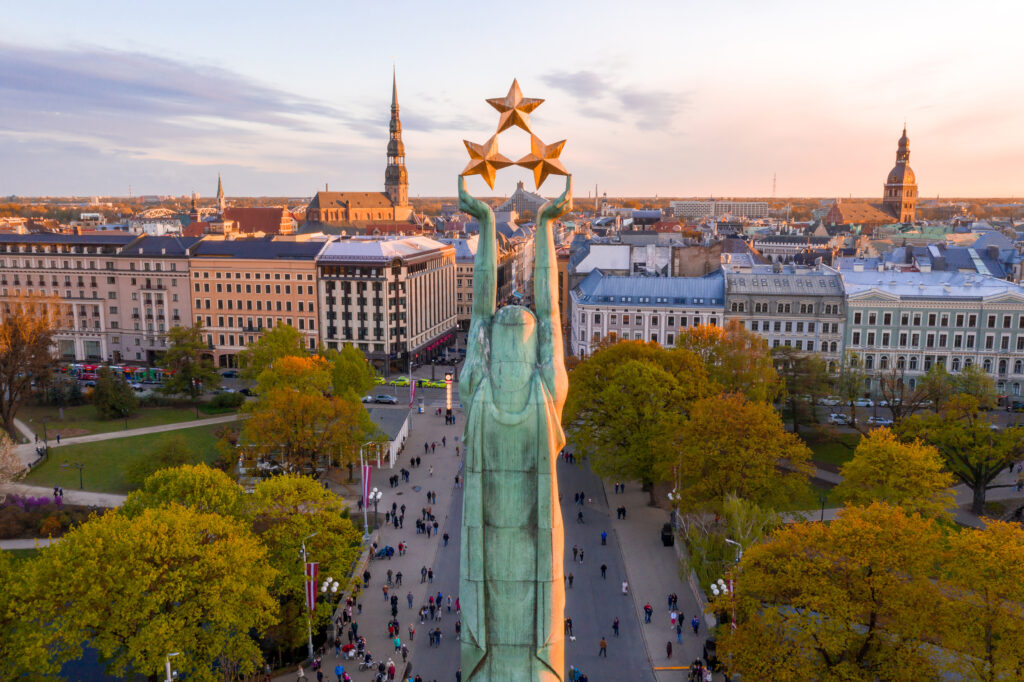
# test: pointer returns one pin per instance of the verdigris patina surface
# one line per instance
(513, 387)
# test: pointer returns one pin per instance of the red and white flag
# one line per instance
(412, 391)
(312, 572)
(366, 485)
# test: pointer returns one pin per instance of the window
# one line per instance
(753, 325)
(972, 320)
(886, 318)
(959, 320)
(917, 320)
(931, 319)
(856, 318)
(1006, 321)
(597, 318)
(901, 362)
(625, 319)
(871, 338)
(885, 339)
(991, 320)
(810, 345)
(905, 319)
(856, 338)
(989, 342)
(913, 362)
(872, 318)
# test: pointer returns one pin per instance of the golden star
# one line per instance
(485, 160)
(515, 109)
(543, 160)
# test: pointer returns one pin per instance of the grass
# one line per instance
(107, 462)
(831, 448)
(81, 420)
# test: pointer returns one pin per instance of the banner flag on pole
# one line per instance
(366, 485)
(312, 573)
(412, 391)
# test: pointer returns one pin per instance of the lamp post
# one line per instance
(309, 613)
(732, 579)
(375, 497)
(448, 378)
(46, 440)
(76, 465)
(365, 484)
(167, 663)
(124, 413)
(822, 497)
(330, 585)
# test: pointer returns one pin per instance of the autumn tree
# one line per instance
(941, 386)
(281, 341)
(10, 463)
(854, 599)
(730, 445)
(309, 374)
(186, 355)
(26, 351)
(909, 475)
(113, 397)
(195, 486)
(351, 375)
(852, 382)
(624, 403)
(902, 398)
(134, 588)
(974, 451)
(286, 509)
(804, 378)
(736, 359)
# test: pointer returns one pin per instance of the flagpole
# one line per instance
(362, 473)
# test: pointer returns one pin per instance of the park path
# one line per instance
(81, 497)
(27, 452)
(27, 543)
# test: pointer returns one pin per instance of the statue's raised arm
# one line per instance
(545, 295)
(485, 265)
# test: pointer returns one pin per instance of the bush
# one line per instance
(226, 401)
(50, 526)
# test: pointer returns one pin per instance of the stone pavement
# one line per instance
(82, 497)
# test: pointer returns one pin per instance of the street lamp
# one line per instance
(375, 497)
(167, 662)
(448, 378)
(330, 586)
(124, 413)
(366, 483)
(309, 614)
(76, 465)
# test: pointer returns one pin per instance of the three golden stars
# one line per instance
(515, 110)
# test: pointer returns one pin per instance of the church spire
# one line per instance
(396, 178)
(221, 205)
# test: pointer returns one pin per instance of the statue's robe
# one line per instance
(510, 589)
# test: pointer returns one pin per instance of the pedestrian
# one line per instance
(339, 670)
(397, 642)
(615, 626)
(604, 537)
(581, 556)
(426, 448)
(433, 446)
(568, 626)
(603, 651)
(301, 673)
(672, 615)
(412, 633)
(458, 674)
(625, 588)
(569, 577)
(604, 571)
(423, 574)
(576, 498)
(58, 443)
(408, 598)
(458, 629)
(390, 576)
(695, 624)
(648, 612)
(398, 579)
(449, 603)
(579, 516)
(668, 649)
(679, 632)
(575, 552)
(405, 653)
(456, 450)
(430, 575)
(444, 441)
(431, 470)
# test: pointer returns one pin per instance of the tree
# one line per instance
(941, 386)
(170, 579)
(804, 379)
(274, 343)
(304, 428)
(974, 451)
(26, 351)
(855, 599)
(186, 356)
(748, 523)
(10, 464)
(170, 452)
(902, 398)
(308, 374)
(195, 486)
(113, 397)
(908, 475)
(286, 509)
(624, 402)
(730, 445)
(852, 382)
(736, 359)
(351, 375)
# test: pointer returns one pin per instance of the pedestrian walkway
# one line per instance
(423, 551)
(27, 452)
(652, 572)
(81, 497)
(27, 543)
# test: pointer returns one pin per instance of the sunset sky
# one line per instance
(672, 98)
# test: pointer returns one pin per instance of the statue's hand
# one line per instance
(553, 210)
(470, 204)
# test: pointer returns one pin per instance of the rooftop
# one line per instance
(932, 285)
(265, 248)
(700, 292)
(379, 250)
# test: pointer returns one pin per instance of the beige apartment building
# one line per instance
(242, 286)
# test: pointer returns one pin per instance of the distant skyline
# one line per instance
(669, 99)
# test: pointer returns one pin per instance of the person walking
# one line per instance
(695, 624)
(575, 552)
(668, 649)
(648, 612)
(679, 632)
(603, 651)
(604, 537)
(569, 578)
(625, 588)
(604, 571)
(615, 626)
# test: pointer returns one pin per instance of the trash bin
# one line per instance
(668, 538)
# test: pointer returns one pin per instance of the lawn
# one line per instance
(831, 449)
(106, 462)
(81, 420)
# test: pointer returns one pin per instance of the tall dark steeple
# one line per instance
(193, 213)
(396, 178)
(900, 194)
(221, 204)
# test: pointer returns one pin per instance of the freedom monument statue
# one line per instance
(513, 387)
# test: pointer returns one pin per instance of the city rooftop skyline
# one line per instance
(665, 99)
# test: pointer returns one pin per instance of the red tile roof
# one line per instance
(258, 219)
(194, 230)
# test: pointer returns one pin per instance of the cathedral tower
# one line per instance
(396, 178)
(900, 197)
(221, 204)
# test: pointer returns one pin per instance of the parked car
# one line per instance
(379, 380)
(367, 398)
(386, 399)
(864, 402)
(225, 389)
(838, 419)
(829, 401)
(879, 421)
(230, 374)
(399, 381)
(246, 391)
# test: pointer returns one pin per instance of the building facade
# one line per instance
(789, 305)
(697, 209)
(395, 299)
(242, 287)
(899, 197)
(643, 308)
(912, 320)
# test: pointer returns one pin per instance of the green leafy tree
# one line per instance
(730, 445)
(624, 403)
(187, 356)
(169, 579)
(902, 398)
(281, 341)
(973, 449)
(736, 359)
(195, 486)
(804, 378)
(909, 475)
(852, 382)
(286, 509)
(351, 375)
(113, 397)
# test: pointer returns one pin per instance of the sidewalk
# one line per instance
(372, 623)
(82, 497)
(27, 543)
(653, 574)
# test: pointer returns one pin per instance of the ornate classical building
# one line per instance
(900, 198)
(359, 208)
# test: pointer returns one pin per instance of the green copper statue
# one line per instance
(513, 387)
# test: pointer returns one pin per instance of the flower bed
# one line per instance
(31, 517)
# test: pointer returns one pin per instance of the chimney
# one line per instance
(993, 251)
(163, 251)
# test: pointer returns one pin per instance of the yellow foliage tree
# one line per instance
(736, 359)
(309, 374)
(910, 475)
(26, 350)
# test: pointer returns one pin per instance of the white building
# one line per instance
(698, 209)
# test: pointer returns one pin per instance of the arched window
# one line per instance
(869, 362)
(987, 365)
(913, 362)
(833, 347)
(1016, 389)
(883, 362)
(1017, 367)
(901, 362)
(956, 364)
(1002, 366)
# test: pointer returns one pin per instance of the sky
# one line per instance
(655, 98)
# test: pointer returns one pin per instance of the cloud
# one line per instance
(582, 84)
(605, 100)
(652, 110)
